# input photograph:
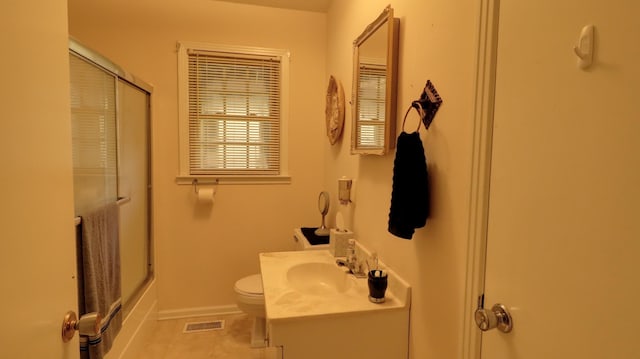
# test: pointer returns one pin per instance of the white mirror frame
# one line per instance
(392, 24)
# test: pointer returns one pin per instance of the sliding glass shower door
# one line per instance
(134, 184)
(110, 116)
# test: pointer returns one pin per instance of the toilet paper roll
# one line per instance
(206, 195)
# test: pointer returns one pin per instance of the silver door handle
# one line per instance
(89, 324)
(497, 317)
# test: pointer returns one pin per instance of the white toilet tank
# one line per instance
(303, 244)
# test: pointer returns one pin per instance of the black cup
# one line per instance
(377, 285)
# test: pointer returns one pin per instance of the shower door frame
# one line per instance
(91, 56)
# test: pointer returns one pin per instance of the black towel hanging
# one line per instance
(410, 189)
(410, 195)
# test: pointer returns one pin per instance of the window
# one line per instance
(371, 104)
(232, 111)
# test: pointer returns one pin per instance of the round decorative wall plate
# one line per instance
(334, 110)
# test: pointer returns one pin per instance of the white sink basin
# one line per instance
(318, 278)
(310, 284)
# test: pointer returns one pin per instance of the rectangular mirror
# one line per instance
(375, 64)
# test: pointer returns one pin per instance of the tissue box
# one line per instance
(338, 242)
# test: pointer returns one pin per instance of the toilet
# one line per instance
(250, 295)
(250, 299)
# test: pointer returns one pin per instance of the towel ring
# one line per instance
(427, 105)
(418, 108)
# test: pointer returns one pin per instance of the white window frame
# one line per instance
(185, 177)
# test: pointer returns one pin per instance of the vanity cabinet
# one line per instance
(331, 317)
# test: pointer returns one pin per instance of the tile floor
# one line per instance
(168, 341)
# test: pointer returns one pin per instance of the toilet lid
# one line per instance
(251, 284)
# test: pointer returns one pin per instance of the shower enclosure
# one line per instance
(110, 121)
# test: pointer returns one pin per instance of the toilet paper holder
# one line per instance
(194, 183)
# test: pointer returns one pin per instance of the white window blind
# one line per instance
(234, 113)
(371, 105)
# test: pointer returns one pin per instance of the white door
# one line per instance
(563, 250)
(37, 258)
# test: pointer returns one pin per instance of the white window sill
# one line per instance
(253, 180)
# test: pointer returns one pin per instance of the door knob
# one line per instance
(496, 317)
(89, 324)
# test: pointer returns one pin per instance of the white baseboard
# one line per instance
(198, 312)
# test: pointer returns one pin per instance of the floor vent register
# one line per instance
(195, 327)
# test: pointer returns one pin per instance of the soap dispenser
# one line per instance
(344, 190)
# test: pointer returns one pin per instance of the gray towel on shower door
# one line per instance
(101, 277)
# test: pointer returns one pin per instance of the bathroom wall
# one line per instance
(200, 251)
(437, 42)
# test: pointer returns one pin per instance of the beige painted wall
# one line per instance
(200, 252)
(437, 42)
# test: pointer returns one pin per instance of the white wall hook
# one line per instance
(579, 53)
(584, 49)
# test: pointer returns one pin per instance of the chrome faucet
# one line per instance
(354, 267)
(351, 262)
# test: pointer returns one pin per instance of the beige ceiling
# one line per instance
(307, 5)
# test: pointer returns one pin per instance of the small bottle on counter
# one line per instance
(351, 251)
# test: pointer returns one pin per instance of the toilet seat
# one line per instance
(250, 286)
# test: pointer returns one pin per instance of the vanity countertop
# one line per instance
(284, 302)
